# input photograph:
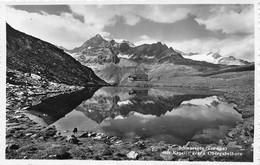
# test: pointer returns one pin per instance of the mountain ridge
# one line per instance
(215, 58)
(31, 55)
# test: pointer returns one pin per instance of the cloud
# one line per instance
(67, 31)
(226, 18)
(104, 15)
(62, 30)
(242, 48)
(164, 14)
(144, 39)
(230, 20)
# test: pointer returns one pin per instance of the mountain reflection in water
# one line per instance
(174, 115)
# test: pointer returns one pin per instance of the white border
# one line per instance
(2, 80)
(74, 162)
(257, 83)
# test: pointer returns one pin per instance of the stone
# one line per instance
(118, 142)
(35, 76)
(166, 155)
(20, 93)
(233, 144)
(72, 139)
(64, 155)
(221, 142)
(28, 134)
(30, 93)
(132, 155)
(18, 134)
(92, 134)
(13, 147)
(41, 138)
(98, 137)
(34, 136)
(155, 148)
(85, 134)
(232, 133)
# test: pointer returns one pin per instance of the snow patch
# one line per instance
(127, 56)
(148, 57)
(148, 102)
(209, 57)
(124, 102)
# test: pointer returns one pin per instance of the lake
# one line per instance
(173, 115)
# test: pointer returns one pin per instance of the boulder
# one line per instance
(132, 155)
(166, 155)
(72, 139)
(13, 147)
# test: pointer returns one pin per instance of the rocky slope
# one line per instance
(28, 54)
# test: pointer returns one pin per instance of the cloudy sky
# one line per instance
(225, 29)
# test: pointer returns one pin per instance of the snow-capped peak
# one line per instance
(215, 58)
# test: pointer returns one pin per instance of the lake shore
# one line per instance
(25, 139)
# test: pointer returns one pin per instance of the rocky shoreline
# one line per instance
(25, 139)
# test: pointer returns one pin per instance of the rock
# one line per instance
(20, 93)
(232, 133)
(230, 144)
(92, 134)
(75, 130)
(233, 144)
(34, 136)
(247, 114)
(13, 147)
(28, 134)
(140, 144)
(85, 134)
(132, 155)
(17, 117)
(72, 139)
(35, 76)
(30, 93)
(18, 134)
(155, 148)
(88, 134)
(64, 155)
(41, 138)
(118, 142)
(221, 142)
(106, 152)
(98, 137)
(50, 131)
(166, 155)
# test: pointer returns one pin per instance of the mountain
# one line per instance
(111, 74)
(31, 55)
(215, 58)
(129, 43)
(91, 43)
(154, 53)
(114, 74)
(114, 61)
(232, 61)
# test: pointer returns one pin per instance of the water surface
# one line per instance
(174, 115)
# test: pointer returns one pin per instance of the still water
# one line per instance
(173, 115)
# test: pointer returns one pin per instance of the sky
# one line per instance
(225, 29)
